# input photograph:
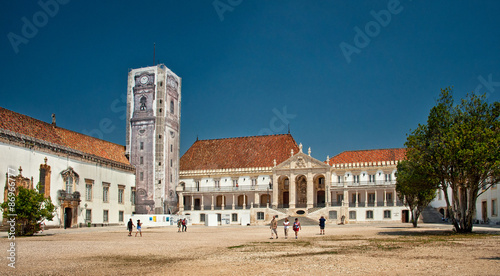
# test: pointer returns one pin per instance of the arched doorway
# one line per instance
(242, 200)
(301, 191)
(283, 192)
(319, 190)
(220, 201)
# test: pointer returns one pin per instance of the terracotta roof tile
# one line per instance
(242, 152)
(368, 156)
(31, 127)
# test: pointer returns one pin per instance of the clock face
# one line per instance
(144, 79)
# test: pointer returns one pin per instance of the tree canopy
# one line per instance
(458, 147)
(29, 210)
(416, 186)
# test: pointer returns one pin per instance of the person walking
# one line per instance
(286, 224)
(179, 225)
(322, 225)
(130, 225)
(296, 227)
(274, 227)
(184, 225)
(139, 227)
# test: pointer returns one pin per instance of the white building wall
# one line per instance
(13, 156)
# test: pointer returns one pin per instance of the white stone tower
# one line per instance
(153, 130)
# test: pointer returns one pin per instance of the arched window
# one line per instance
(172, 107)
(143, 104)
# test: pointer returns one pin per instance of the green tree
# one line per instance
(29, 210)
(458, 147)
(416, 187)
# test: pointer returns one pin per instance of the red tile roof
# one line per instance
(242, 152)
(368, 156)
(22, 124)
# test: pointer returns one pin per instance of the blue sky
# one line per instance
(252, 67)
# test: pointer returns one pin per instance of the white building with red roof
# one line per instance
(251, 179)
(88, 180)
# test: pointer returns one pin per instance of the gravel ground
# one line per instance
(383, 249)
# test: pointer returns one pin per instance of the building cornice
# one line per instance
(22, 140)
(267, 170)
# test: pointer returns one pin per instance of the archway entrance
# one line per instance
(320, 198)
(68, 217)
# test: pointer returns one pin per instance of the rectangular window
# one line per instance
(254, 181)
(41, 185)
(171, 163)
(141, 176)
(105, 216)
(234, 217)
(494, 207)
(88, 189)
(121, 192)
(202, 217)
(352, 214)
(69, 185)
(338, 179)
(105, 192)
(371, 178)
(387, 214)
(132, 195)
(141, 145)
(88, 215)
(332, 215)
(321, 181)
(120, 216)
(371, 198)
(340, 198)
(369, 214)
(171, 148)
(388, 177)
(260, 215)
(355, 178)
(217, 183)
(141, 160)
(235, 183)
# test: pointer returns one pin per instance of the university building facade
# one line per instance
(248, 180)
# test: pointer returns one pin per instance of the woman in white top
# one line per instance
(286, 223)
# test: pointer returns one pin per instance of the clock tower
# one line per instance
(153, 145)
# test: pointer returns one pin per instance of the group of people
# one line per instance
(286, 224)
(295, 227)
(130, 226)
(182, 223)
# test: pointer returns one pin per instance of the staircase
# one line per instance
(431, 215)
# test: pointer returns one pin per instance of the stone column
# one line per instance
(212, 206)
(366, 198)
(394, 197)
(274, 200)
(202, 202)
(385, 198)
(192, 202)
(375, 203)
(356, 198)
(257, 198)
(328, 183)
(233, 203)
(310, 191)
(181, 202)
(223, 202)
(244, 201)
(293, 191)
